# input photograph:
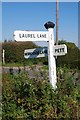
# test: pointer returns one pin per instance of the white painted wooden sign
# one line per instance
(36, 53)
(30, 35)
(59, 50)
(52, 50)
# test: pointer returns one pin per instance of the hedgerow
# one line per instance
(14, 53)
(35, 98)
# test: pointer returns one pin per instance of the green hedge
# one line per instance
(35, 98)
(14, 52)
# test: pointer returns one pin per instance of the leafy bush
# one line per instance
(72, 58)
(35, 98)
(14, 53)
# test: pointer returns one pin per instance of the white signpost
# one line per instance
(3, 56)
(36, 53)
(52, 51)
(30, 35)
(51, 58)
(58, 50)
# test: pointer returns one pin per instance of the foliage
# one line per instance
(14, 53)
(35, 98)
(72, 58)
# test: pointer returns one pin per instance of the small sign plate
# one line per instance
(36, 53)
(60, 50)
(30, 35)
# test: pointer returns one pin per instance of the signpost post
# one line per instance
(3, 56)
(51, 52)
(51, 58)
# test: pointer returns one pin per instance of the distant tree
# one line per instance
(14, 51)
(72, 57)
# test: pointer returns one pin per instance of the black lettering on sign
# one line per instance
(28, 35)
(37, 52)
(63, 49)
(29, 53)
(41, 52)
(33, 53)
(23, 35)
(33, 35)
(41, 35)
(56, 50)
(45, 51)
(60, 50)
(37, 35)
(20, 35)
(26, 53)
